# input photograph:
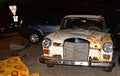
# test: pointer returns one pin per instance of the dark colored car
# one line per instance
(35, 27)
(116, 38)
(113, 22)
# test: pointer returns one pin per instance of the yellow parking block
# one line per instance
(35, 74)
(13, 66)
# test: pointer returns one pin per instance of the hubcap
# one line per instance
(34, 38)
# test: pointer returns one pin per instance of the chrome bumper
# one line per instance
(58, 61)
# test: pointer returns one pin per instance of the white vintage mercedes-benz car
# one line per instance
(82, 40)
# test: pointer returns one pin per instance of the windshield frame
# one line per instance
(65, 20)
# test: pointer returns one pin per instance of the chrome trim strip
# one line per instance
(77, 63)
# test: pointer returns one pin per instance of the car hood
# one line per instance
(91, 36)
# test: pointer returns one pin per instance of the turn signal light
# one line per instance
(107, 57)
(45, 51)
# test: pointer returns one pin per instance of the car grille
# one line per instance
(76, 51)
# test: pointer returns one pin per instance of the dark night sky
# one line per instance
(55, 7)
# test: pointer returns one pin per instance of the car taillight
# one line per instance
(2, 29)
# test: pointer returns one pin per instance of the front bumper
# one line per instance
(58, 61)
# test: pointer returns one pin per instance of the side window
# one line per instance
(46, 21)
(43, 21)
(50, 20)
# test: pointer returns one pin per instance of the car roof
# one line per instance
(84, 16)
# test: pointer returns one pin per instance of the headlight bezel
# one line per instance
(107, 47)
(46, 42)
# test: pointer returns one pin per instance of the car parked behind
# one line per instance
(35, 27)
(113, 23)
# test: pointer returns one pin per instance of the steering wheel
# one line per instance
(94, 28)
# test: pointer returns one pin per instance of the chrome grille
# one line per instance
(76, 51)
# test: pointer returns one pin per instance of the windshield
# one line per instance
(84, 23)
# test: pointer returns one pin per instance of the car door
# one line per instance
(46, 29)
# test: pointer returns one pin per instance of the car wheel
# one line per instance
(34, 38)
(50, 65)
(107, 69)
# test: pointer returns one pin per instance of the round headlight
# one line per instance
(108, 47)
(46, 42)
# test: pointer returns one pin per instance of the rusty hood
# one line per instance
(94, 36)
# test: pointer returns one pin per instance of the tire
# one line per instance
(107, 69)
(34, 37)
(50, 65)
